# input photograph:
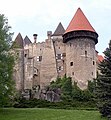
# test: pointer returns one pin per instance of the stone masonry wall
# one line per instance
(81, 60)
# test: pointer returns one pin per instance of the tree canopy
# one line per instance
(103, 85)
(6, 61)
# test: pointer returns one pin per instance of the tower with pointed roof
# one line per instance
(18, 47)
(80, 39)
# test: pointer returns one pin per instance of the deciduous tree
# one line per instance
(6, 62)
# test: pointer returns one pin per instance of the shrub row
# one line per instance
(34, 103)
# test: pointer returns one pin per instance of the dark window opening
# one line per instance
(64, 54)
(71, 63)
(85, 53)
(92, 73)
(40, 58)
(59, 68)
(25, 55)
(72, 73)
(93, 63)
(59, 47)
(58, 56)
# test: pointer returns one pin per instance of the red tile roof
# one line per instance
(79, 22)
(100, 58)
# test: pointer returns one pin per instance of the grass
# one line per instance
(47, 114)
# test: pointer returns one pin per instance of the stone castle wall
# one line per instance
(41, 63)
(81, 60)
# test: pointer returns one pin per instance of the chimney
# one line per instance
(49, 33)
(35, 38)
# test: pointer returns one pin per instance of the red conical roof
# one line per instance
(79, 22)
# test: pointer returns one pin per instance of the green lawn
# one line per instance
(47, 114)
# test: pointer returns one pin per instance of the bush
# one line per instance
(34, 103)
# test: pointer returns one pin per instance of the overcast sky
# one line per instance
(39, 16)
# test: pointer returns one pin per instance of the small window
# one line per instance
(17, 53)
(93, 63)
(59, 47)
(59, 56)
(85, 53)
(39, 58)
(72, 73)
(25, 55)
(60, 68)
(70, 44)
(71, 63)
(92, 73)
(64, 54)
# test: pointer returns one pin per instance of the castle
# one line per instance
(71, 52)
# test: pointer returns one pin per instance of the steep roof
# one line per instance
(27, 40)
(100, 58)
(18, 43)
(59, 30)
(79, 22)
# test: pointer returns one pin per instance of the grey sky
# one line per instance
(40, 16)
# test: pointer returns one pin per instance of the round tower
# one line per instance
(80, 39)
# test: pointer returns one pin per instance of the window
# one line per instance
(39, 58)
(92, 73)
(85, 53)
(17, 54)
(71, 63)
(59, 56)
(72, 73)
(93, 63)
(64, 54)
(59, 47)
(60, 68)
(25, 55)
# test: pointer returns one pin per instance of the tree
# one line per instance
(66, 88)
(6, 62)
(103, 84)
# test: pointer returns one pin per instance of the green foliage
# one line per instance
(34, 103)
(72, 92)
(103, 88)
(82, 95)
(66, 88)
(6, 62)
